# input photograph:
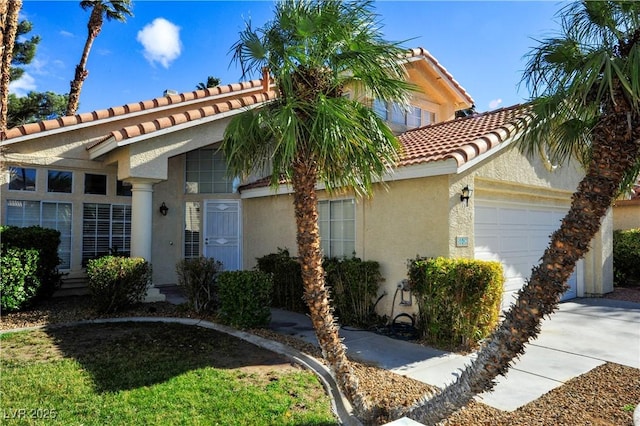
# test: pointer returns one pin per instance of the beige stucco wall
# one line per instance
(626, 214)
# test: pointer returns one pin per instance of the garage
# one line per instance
(516, 235)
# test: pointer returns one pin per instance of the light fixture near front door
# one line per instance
(466, 194)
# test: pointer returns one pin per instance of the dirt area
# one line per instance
(606, 395)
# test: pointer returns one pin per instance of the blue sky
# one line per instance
(177, 44)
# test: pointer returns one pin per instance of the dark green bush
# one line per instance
(287, 280)
(353, 284)
(626, 257)
(245, 298)
(118, 282)
(197, 277)
(19, 282)
(46, 242)
(459, 299)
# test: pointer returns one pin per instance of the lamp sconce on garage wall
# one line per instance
(466, 194)
(164, 209)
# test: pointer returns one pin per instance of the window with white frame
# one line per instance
(402, 118)
(22, 179)
(206, 173)
(47, 214)
(192, 230)
(337, 221)
(106, 228)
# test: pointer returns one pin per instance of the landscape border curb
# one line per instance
(339, 403)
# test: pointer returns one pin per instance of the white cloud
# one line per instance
(161, 41)
(495, 103)
(22, 86)
(66, 33)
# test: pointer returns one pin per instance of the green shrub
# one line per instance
(626, 257)
(117, 282)
(46, 242)
(19, 282)
(197, 277)
(287, 280)
(459, 299)
(353, 284)
(245, 298)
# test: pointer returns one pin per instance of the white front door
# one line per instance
(517, 235)
(223, 233)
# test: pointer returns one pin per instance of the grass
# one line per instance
(152, 374)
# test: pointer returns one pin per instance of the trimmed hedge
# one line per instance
(353, 284)
(118, 282)
(626, 257)
(459, 299)
(198, 279)
(245, 298)
(19, 281)
(287, 280)
(46, 242)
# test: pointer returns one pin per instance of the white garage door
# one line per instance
(517, 236)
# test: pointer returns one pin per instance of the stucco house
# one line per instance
(626, 210)
(146, 178)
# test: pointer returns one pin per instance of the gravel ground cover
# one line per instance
(606, 395)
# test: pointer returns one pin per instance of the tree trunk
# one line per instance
(94, 26)
(9, 24)
(316, 294)
(616, 148)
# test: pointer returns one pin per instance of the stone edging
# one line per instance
(339, 404)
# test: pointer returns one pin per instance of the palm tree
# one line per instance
(211, 82)
(9, 22)
(112, 9)
(313, 133)
(586, 89)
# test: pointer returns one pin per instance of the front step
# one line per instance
(73, 286)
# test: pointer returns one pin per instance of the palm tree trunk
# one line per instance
(94, 26)
(9, 13)
(316, 294)
(616, 148)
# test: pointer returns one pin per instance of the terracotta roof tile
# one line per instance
(462, 139)
(148, 105)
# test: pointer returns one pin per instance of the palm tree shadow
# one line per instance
(129, 355)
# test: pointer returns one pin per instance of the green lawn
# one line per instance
(151, 374)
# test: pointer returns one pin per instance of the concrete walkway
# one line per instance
(582, 335)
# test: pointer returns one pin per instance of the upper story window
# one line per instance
(95, 184)
(22, 179)
(59, 181)
(206, 173)
(402, 119)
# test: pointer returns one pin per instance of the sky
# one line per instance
(176, 44)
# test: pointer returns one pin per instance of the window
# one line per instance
(106, 228)
(21, 179)
(95, 184)
(402, 119)
(59, 181)
(123, 189)
(192, 230)
(206, 173)
(337, 220)
(51, 215)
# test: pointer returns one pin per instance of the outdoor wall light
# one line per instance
(466, 193)
(164, 209)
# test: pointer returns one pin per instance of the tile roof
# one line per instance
(462, 139)
(209, 101)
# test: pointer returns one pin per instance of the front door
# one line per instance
(223, 233)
